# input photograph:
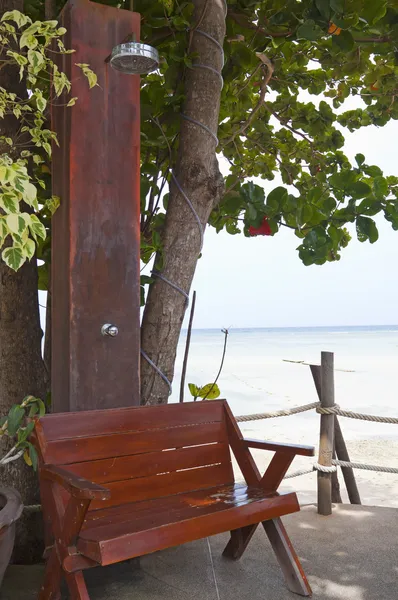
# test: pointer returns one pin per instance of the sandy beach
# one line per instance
(257, 377)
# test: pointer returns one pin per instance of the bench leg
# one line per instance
(51, 588)
(77, 586)
(287, 558)
(239, 541)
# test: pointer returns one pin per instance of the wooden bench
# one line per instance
(121, 483)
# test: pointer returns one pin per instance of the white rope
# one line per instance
(278, 413)
(10, 456)
(336, 410)
(324, 469)
(298, 473)
(365, 467)
(162, 375)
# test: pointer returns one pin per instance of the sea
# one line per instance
(266, 369)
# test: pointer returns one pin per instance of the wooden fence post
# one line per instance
(348, 474)
(340, 447)
(326, 440)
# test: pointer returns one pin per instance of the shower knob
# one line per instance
(110, 330)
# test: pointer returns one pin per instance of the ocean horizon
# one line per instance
(266, 369)
(314, 328)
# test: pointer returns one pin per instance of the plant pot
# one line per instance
(10, 510)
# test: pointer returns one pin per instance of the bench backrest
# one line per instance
(141, 452)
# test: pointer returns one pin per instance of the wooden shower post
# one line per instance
(95, 235)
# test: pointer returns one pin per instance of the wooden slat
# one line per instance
(115, 543)
(173, 509)
(145, 488)
(99, 422)
(199, 499)
(280, 447)
(124, 444)
(152, 463)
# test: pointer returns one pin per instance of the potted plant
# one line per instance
(17, 427)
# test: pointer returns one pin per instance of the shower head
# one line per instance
(134, 58)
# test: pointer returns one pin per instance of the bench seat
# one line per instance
(134, 529)
(120, 483)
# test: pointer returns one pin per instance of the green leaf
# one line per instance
(25, 432)
(42, 407)
(324, 8)
(344, 41)
(41, 102)
(53, 204)
(251, 213)
(30, 248)
(37, 228)
(210, 391)
(33, 411)
(17, 223)
(373, 171)
(366, 230)
(380, 187)
(232, 202)
(373, 11)
(28, 40)
(33, 456)
(359, 189)
(29, 192)
(14, 15)
(275, 200)
(89, 74)
(43, 282)
(72, 102)
(310, 31)
(194, 389)
(14, 257)
(337, 5)
(15, 416)
(35, 58)
(360, 159)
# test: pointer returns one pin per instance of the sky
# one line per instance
(261, 282)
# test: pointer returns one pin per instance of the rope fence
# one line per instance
(332, 410)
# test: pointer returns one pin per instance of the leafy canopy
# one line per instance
(290, 69)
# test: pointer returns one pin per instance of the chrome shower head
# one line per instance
(134, 58)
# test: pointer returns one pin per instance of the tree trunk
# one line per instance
(22, 370)
(199, 176)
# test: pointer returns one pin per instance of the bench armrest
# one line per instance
(75, 485)
(278, 447)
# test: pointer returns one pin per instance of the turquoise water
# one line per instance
(257, 377)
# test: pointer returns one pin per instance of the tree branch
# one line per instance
(263, 90)
(245, 22)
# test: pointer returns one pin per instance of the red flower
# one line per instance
(264, 228)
